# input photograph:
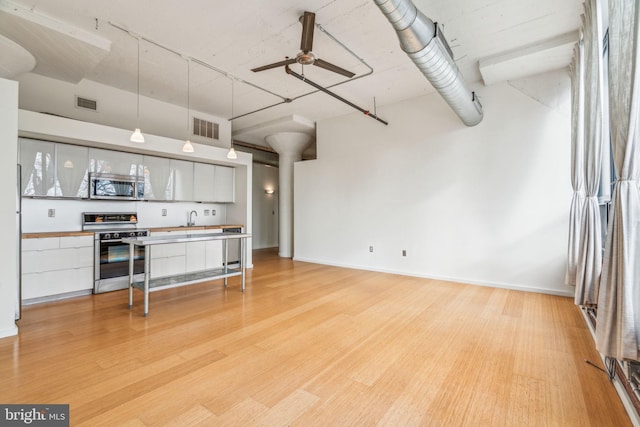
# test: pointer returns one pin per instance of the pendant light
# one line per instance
(137, 136)
(187, 147)
(232, 152)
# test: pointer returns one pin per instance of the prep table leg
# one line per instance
(224, 260)
(131, 262)
(243, 253)
(147, 273)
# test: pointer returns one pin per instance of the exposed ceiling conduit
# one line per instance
(421, 39)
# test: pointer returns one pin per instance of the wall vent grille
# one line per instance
(86, 103)
(205, 128)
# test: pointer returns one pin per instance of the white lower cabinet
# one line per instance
(56, 265)
(167, 260)
(204, 255)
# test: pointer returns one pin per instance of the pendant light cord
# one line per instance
(138, 90)
(188, 95)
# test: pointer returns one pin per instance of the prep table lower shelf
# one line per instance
(149, 285)
(178, 280)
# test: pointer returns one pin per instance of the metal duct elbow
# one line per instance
(427, 48)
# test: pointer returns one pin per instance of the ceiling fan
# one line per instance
(306, 56)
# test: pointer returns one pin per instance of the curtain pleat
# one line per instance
(618, 328)
(577, 164)
(589, 263)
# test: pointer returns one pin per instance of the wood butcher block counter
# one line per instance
(43, 235)
(56, 234)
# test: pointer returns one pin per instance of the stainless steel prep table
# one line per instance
(150, 285)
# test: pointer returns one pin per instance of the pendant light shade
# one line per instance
(232, 154)
(137, 136)
(187, 147)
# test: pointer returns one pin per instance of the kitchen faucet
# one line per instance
(191, 222)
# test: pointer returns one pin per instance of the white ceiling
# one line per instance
(73, 40)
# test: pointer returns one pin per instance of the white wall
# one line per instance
(116, 108)
(8, 207)
(265, 207)
(484, 205)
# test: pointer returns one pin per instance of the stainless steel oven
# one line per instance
(111, 259)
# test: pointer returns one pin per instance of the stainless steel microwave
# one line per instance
(115, 187)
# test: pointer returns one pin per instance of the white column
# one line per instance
(289, 146)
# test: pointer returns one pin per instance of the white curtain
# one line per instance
(577, 164)
(618, 328)
(589, 265)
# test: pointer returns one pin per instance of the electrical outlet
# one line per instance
(370, 248)
(213, 212)
(164, 212)
(206, 212)
(52, 213)
(404, 252)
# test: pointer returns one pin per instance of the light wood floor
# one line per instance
(312, 345)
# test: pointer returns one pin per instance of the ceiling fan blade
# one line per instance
(308, 24)
(329, 66)
(275, 65)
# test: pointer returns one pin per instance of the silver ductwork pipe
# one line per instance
(421, 39)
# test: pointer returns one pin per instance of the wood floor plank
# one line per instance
(312, 345)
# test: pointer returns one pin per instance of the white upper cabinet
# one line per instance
(203, 182)
(213, 183)
(182, 174)
(54, 170)
(72, 173)
(158, 182)
(224, 184)
(114, 162)
(62, 170)
(37, 159)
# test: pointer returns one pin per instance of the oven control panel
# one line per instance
(121, 234)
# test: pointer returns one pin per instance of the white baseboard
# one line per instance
(463, 280)
(9, 332)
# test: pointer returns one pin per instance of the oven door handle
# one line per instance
(112, 241)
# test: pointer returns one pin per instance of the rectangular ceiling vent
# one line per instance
(205, 128)
(86, 103)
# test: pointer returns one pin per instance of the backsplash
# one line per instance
(67, 214)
